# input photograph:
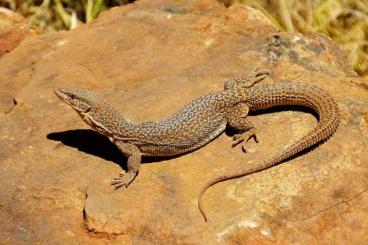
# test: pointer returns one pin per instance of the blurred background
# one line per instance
(345, 21)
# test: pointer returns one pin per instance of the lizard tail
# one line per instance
(287, 93)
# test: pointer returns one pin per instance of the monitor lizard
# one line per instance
(202, 120)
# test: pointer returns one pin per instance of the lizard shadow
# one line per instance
(91, 142)
(281, 108)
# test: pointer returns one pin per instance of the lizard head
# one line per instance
(87, 103)
(81, 100)
(92, 108)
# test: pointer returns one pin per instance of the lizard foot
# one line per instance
(260, 74)
(249, 80)
(256, 76)
(244, 138)
(124, 179)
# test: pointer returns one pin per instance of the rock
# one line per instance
(12, 30)
(150, 58)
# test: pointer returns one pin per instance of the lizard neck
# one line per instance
(108, 121)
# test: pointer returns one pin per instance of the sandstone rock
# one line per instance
(12, 30)
(150, 58)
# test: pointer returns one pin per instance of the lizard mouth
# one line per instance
(68, 99)
(64, 97)
(59, 93)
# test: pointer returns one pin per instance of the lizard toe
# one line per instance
(117, 186)
(244, 138)
(129, 177)
(123, 180)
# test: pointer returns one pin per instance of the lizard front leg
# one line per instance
(134, 161)
(237, 119)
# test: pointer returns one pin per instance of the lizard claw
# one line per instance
(258, 72)
(255, 77)
(124, 179)
(259, 75)
(244, 138)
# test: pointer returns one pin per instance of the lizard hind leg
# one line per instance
(247, 81)
(244, 138)
(237, 120)
(256, 76)
(134, 161)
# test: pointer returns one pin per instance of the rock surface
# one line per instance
(12, 30)
(150, 58)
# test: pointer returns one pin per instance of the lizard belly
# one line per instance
(176, 148)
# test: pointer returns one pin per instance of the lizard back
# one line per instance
(191, 127)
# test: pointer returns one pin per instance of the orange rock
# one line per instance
(150, 58)
(12, 30)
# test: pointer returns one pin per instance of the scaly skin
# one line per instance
(261, 97)
(203, 119)
(191, 127)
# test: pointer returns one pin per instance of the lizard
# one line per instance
(283, 93)
(202, 120)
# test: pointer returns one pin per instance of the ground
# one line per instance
(149, 58)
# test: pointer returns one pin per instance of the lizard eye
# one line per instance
(72, 96)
